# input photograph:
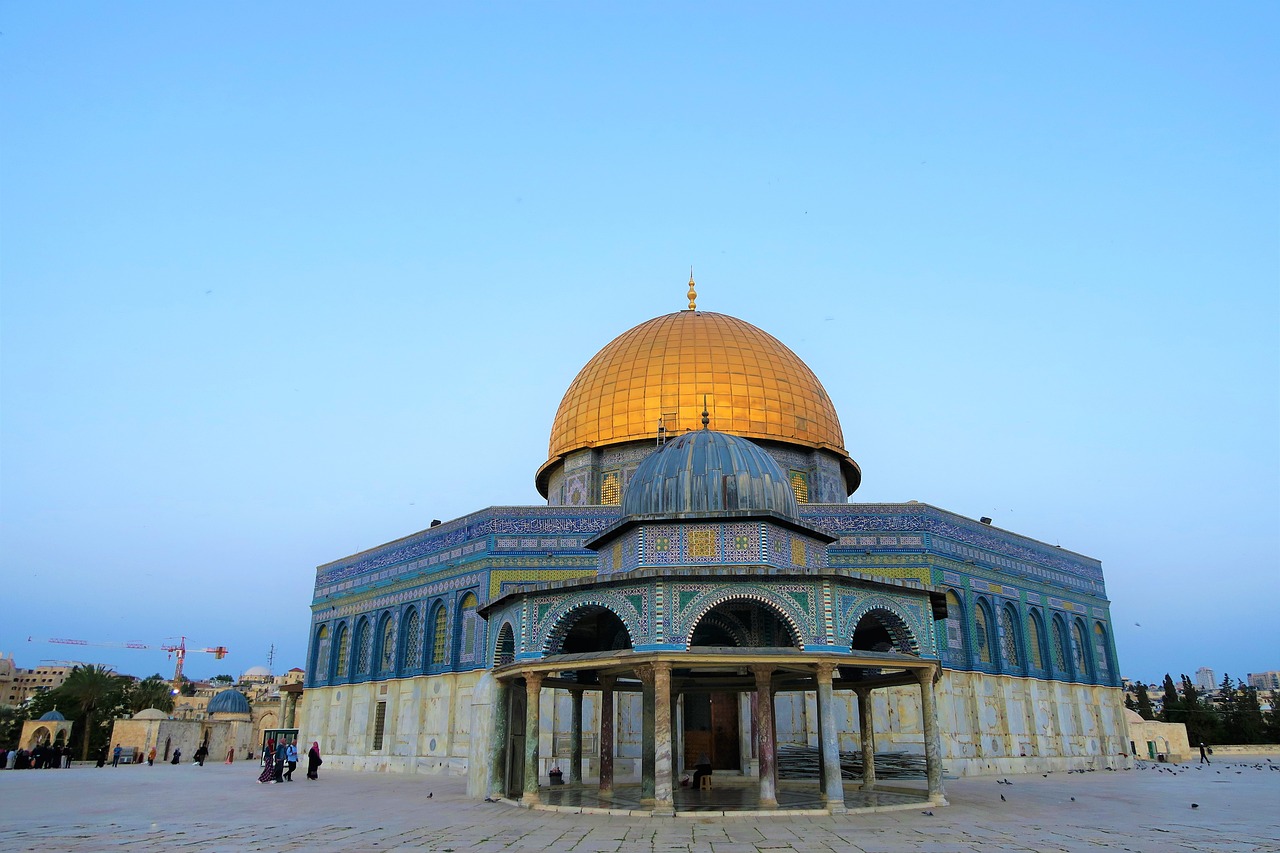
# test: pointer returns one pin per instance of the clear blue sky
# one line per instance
(285, 281)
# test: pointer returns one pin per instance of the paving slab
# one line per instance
(220, 807)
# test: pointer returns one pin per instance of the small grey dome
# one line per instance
(705, 471)
(151, 714)
(53, 717)
(229, 702)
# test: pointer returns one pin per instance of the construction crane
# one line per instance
(180, 650)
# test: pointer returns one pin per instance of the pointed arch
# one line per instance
(385, 656)
(342, 652)
(1036, 642)
(320, 655)
(466, 630)
(363, 647)
(411, 644)
(984, 637)
(956, 652)
(439, 634)
(504, 650)
(785, 623)
(1061, 661)
(590, 626)
(1102, 653)
(1080, 652)
(1011, 657)
(878, 624)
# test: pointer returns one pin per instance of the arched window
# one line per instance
(364, 647)
(1059, 647)
(1080, 650)
(1035, 641)
(387, 645)
(412, 654)
(505, 650)
(465, 633)
(982, 631)
(956, 652)
(344, 650)
(1102, 651)
(1009, 631)
(320, 663)
(438, 633)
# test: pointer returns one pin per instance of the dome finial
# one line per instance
(693, 294)
(706, 417)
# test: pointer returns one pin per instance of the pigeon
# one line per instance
(1073, 799)
(429, 793)
(490, 800)
(927, 814)
(1002, 799)
(1195, 805)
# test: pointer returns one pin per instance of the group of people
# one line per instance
(41, 757)
(280, 759)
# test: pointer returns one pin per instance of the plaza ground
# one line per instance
(221, 807)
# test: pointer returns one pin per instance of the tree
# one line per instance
(1201, 722)
(222, 679)
(1142, 703)
(1171, 706)
(95, 692)
(151, 692)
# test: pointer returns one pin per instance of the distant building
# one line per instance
(1265, 680)
(22, 684)
(8, 695)
(1206, 679)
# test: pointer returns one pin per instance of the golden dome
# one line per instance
(660, 371)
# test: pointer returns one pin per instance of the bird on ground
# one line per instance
(927, 814)
(429, 793)
(1073, 799)
(1195, 805)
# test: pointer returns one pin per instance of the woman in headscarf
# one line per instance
(268, 763)
(314, 760)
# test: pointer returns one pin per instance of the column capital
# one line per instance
(532, 680)
(928, 675)
(608, 681)
(576, 691)
(763, 672)
(825, 671)
(645, 673)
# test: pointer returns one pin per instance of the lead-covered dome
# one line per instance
(229, 702)
(707, 471)
(754, 387)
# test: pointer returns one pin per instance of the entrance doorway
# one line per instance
(515, 743)
(711, 727)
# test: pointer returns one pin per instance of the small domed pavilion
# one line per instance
(709, 587)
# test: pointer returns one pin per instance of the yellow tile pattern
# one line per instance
(754, 387)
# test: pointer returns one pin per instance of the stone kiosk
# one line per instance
(708, 585)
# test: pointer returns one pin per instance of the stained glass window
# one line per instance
(800, 486)
(1059, 647)
(412, 641)
(1009, 638)
(1101, 653)
(438, 636)
(387, 652)
(955, 629)
(1033, 636)
(364, 648)
(321, 666)
(1078, 650)
(611, 489)
(982, 632)
(505, 651)
(344, 649)
(468, 608)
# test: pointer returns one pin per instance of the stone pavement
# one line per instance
(223, 808)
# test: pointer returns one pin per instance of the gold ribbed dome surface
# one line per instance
(755, 387)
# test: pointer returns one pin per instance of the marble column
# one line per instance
(648, 723)
(867, 729)
(663, 786)
(766, 747)
(832, 781)
(533, 690)
(498, 740)
(606, 734)
(575, 738)
(932, 736)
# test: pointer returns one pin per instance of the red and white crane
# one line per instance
(180, 650)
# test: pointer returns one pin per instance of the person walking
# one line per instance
(291, 756)
(115, 756)
(201, 753)
(151, 757)
(231, 755)
(1204, 757)
(314, 760)
(282, 753)
(177, 755)
(268, 763)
